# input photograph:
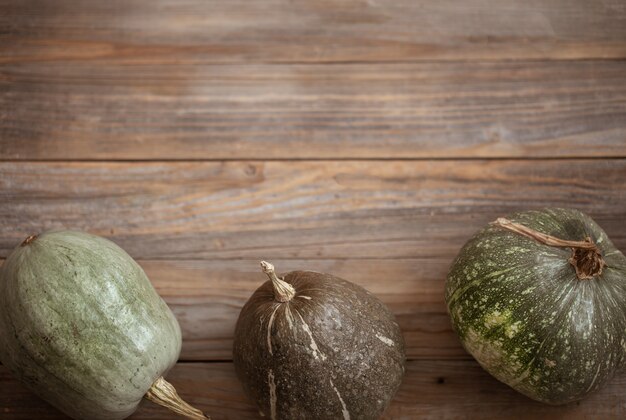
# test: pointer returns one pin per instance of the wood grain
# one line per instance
(80, 110)
(302, 210)
(431, 390)
(207, 296)
(147, 31)
(363, 138)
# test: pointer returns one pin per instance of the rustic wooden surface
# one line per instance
(327, 31)
(364, 138)
(63, 109)
(432, 389)
(299, 209)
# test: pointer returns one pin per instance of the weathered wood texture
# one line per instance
(70, 109)
(431, 390)
(206, 297)
(396, 226)
(312, 115)
(306, 210)
(138, 80)
(167, 31)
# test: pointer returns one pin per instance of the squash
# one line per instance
(539, 300)
(313, 346)
(82, 327)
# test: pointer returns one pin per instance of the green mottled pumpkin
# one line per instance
(82, 327)
(539, 300)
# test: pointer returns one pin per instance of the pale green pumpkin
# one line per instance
(81, 326)
(539, 299)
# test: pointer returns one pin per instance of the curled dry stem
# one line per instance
(283, 291)
(163, 393)
(586, 257)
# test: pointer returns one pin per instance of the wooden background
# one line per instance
(365, 138)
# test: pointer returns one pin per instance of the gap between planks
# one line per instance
(322, 159)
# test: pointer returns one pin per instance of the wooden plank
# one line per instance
(312, 31)
(431, 390)
(302, 210)
(102, 110)
(207, 295)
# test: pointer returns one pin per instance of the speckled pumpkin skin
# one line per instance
(333, 352)
(81, 325)
(521, 311)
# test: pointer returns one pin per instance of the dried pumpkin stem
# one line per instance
(283, 291)
(28, 240)
(163, 393)
(586, 257)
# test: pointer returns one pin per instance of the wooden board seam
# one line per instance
(322, 159)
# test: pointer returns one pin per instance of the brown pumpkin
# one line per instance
(312, 345)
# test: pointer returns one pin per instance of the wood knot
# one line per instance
(251, 170)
